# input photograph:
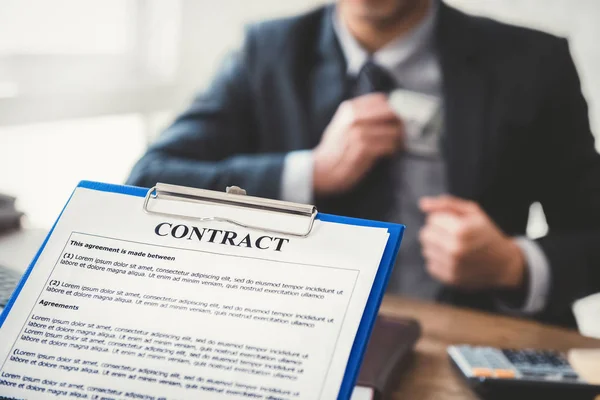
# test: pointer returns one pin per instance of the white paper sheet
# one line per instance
(362, 393)
(586, 311)
(117, 307)
(422, 120)
(414, 107)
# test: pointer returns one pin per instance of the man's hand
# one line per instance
(362, 130)
(463, 247)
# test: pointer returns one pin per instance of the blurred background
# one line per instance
(86, 85)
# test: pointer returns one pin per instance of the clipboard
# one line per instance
(237, 197)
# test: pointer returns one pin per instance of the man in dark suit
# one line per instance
(299, 114)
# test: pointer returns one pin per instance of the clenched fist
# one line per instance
(362, 130)
(463, 247)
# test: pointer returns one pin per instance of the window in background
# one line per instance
(84, 85)
(73, 59)
(47, 27)
(81, 83)
(42, 163)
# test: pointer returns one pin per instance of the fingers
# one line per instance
(443, 249)
(438, 243)
(373, 141)
(438, 259)
(434, 254)
(372, 107)
(447, 203)
(377, 139)
(453, 225)
(442, 265)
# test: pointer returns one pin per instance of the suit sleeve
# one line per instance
(569, 188)
(214, 143)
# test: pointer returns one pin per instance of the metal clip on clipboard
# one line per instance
(234, 196)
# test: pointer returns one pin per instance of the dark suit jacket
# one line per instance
(516, 132)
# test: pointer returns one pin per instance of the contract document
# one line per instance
(128, 300)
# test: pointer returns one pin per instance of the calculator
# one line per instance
(504, 373)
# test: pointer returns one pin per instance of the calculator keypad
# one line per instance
(488, 362)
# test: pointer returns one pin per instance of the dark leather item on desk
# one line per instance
(388, 351)
(10, 218)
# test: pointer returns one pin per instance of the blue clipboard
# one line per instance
(370, 313)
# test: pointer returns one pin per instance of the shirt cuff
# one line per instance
(539, 277)
(297, 177)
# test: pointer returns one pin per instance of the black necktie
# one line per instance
(373, 78)
(372, 197)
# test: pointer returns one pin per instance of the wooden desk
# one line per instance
(430, 375)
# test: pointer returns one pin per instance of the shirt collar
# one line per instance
(393, 54)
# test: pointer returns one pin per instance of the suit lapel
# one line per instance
(327, 80)
(466, 90)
